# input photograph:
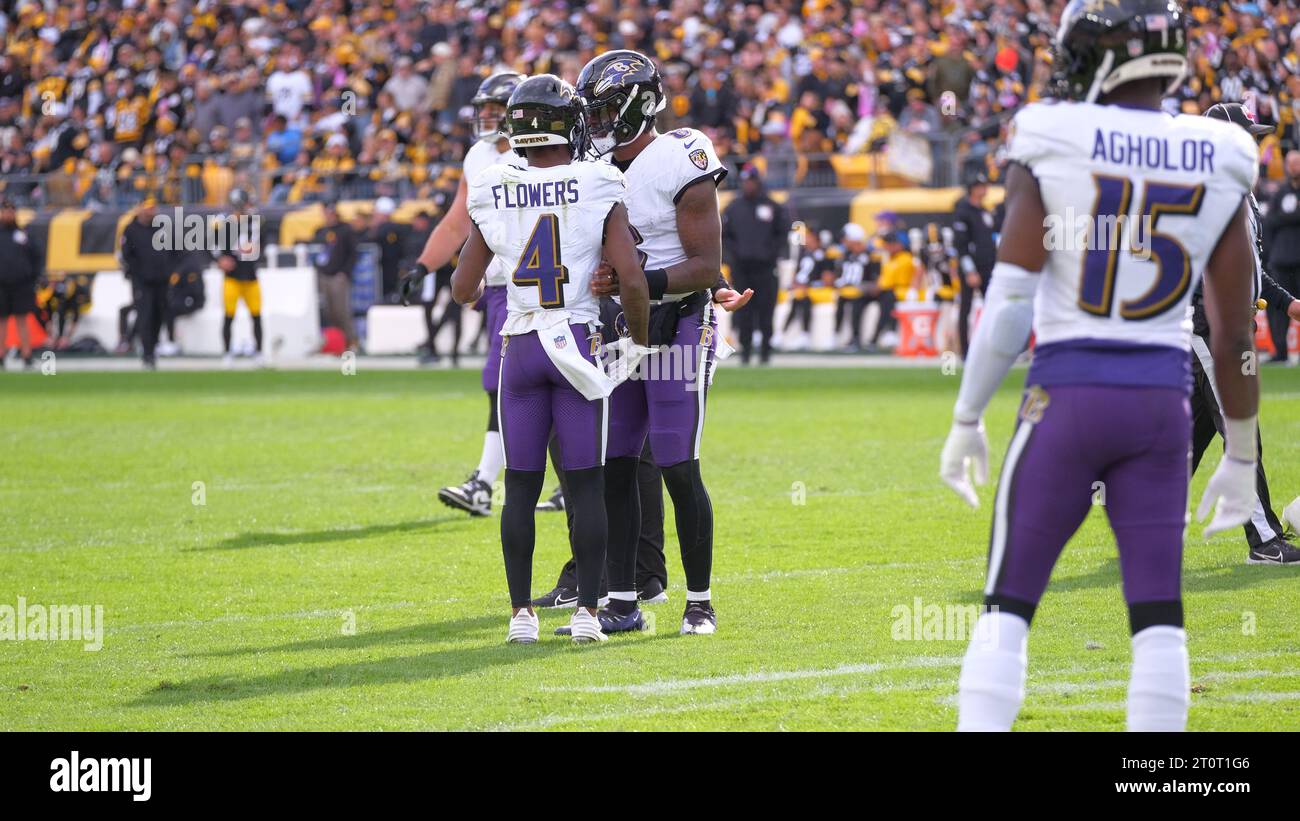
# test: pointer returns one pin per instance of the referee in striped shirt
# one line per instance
(1263, 531)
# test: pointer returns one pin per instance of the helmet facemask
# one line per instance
(614, 121)
(489, 119)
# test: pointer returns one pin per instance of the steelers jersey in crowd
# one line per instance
(856, 269)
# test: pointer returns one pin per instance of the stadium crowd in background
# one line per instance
(305, 100)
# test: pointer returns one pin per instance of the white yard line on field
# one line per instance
(1035, 689)
(665, 686)
(1260, 698)
(1037, 683)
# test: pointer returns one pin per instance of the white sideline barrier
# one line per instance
(394, 329)
(822, 336)
(290, 314)
(397, 329)
(291, 319)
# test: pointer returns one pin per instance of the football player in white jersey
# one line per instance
(475, 495)
(1114, 209)
(672, 203)
(549, 224)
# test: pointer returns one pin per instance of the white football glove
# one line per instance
(966, 449)
(1232, 487)
(624, 357)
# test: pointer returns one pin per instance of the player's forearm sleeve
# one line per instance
(1274, 294)
(1239, 438)
(1001, 335)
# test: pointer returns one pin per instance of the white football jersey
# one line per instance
(546, 226)
(481, 154)
(1136, 202)
(655, 181)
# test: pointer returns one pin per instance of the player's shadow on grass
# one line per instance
(433, 632)
(1195, 580)
(337, 534)
(435, 664)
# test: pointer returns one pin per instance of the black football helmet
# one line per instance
(495, 90)
(622, 92)
(1102, 44)
(545, 110)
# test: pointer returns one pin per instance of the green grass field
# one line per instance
(322, 586)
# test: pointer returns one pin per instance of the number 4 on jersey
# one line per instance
(540, 263)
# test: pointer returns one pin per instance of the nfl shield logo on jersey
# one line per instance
(561, 341)
(700, 158)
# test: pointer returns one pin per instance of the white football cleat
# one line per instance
(474, 497)
(585, 627)
(523, 628)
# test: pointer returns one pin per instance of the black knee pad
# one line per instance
(1142, 615)
(494, 424)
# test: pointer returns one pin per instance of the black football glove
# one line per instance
(411, 280)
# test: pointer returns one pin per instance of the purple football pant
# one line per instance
(666, 398)
(534, 397)
(1126, 447)
(494, 317)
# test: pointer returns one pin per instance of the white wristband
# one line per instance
(1239, 438)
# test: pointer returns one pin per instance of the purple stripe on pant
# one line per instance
(534, 396)
(1127, 448)
(667, 398)
(494, 317)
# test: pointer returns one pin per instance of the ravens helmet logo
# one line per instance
(615, 73)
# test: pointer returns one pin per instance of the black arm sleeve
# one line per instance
(1275, 295)
(961, 239)
(128, 254)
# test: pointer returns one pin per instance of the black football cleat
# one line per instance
(557, 599)
(1274, 551)
(652, 592)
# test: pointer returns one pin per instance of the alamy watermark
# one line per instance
(1081, 231)
(53, 622)
(919, 621)
(126, 775)
(239, 234)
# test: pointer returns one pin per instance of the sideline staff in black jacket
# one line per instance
(1264, 539)
(1282, 243)
(755, 234)
(149, 269)
(335, 261)
(20, 267)
(975, 238)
